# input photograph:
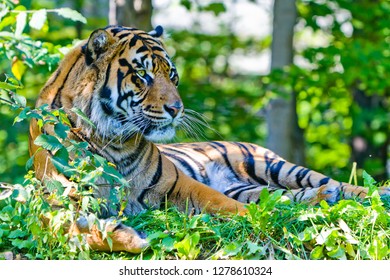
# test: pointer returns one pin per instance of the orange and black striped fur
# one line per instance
(124, 81)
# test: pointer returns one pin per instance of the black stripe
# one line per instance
(224, 155)
(123, 35)
(172, 189)
(143, 48)
(133, 41)
(57, 99)
(274, 171)
(158, 48)
(132, 161)
(292, 169)
(243, 187)
(106, 91)
(158, 173)
(153, 182)
(309, 182)
(324, 181)
(301, 174)
(237, 194)
(200, 150)
(183, 162)
(249, 164)
(107, 108)
(119, 88)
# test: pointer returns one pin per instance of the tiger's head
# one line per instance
(128, 84)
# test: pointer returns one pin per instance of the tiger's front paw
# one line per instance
(127, 239)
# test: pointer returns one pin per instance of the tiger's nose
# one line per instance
(174, 108)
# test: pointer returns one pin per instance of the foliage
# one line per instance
(23, 60)
(273, 229)
(344, 95)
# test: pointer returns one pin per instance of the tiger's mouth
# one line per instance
(158, 133)
(160, 130)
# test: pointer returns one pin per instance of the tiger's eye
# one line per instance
(141, 73)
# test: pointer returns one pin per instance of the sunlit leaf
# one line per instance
(54, 186)
(21, 20)
(71, 14)
(9, 86)
(38, 19)
(368, 179)
(337, 253)
(5, 191)
(317, 253)
(18, 69)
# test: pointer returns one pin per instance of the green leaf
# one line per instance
(38, 19)
(83, 116)
(17, 233)
(308, 234)
(48, 142)
(368, 180)
(4, 85)
(323, 236)
(338, 253)
(157, 236)
(61, 130)
(20, 244)
(62, 165)
(71, 14)
(168, 244)
(317, 253)
(186, 3)
(216, 8)
(232, 249)
(19, 99)
(378, 249)
(187, 248)
(109, 242)
(254, 248)
(54, 186)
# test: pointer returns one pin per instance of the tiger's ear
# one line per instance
(157, 32)
(98, 43)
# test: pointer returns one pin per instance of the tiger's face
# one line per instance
(139, 93)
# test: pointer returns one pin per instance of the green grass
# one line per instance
(273, 229)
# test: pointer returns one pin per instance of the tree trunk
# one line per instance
(284, 135)
(132, 13)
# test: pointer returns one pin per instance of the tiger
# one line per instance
(125, 83)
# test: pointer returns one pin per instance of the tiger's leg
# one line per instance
(123, 238)
(249, 193)
(242, 170)
(298, 183)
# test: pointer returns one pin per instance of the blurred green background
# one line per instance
(338, 79)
